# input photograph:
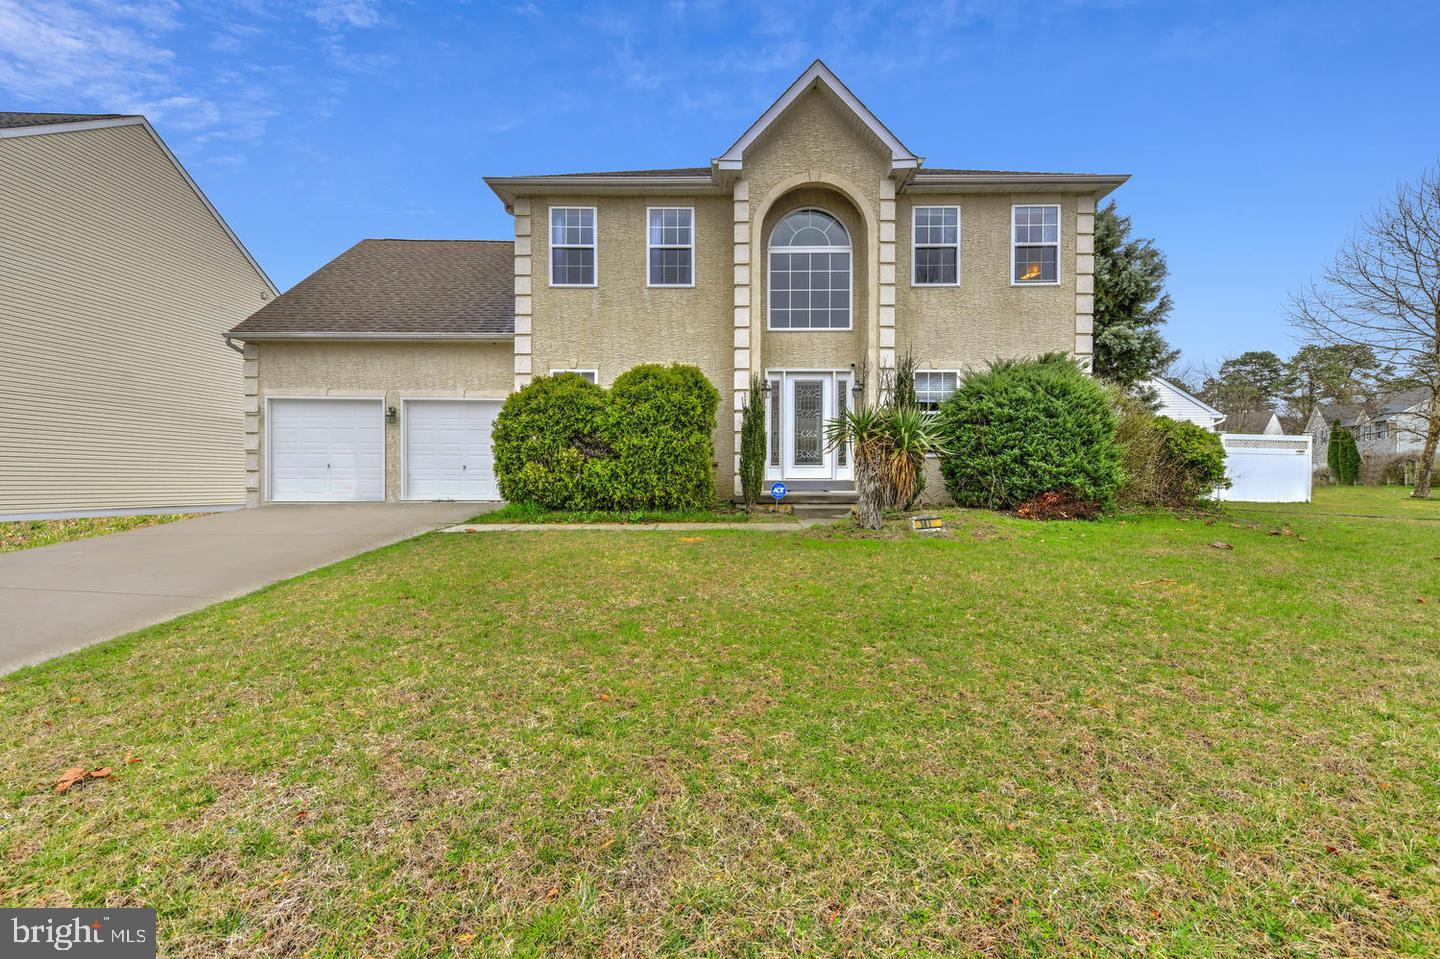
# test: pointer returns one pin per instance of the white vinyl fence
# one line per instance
(1267, 469)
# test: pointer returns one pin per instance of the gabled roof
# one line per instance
(398, 289)
(819, 75)
(15, 121)
(906, 168)
(1252, 422)
(1404, 401)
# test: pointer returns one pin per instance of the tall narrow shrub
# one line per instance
(1343, 456)
(753, 442)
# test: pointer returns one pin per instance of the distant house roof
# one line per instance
(1402, 401)
(398, 289)
(12, 121)
(1251, 421)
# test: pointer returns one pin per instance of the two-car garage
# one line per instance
(332, 449)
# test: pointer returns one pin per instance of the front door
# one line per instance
(803, 402)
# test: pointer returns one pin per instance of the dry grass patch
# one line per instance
(24, 534)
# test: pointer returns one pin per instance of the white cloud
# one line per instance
(346, 13)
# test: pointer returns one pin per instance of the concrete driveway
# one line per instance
(54, 599)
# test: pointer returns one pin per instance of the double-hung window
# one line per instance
(933, 387)
(572, 246)
(670, 246)
(1036, 245)
(935, 238)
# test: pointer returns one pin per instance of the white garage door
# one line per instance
(324, 451)
(447, 449)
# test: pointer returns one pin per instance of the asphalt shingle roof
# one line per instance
(10, 121)
(400, 286)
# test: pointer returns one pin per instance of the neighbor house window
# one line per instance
(670, 246)
(572, 246)
(933, 387)
(809, 273)
(590, 376)
(1036, 244)
(936, 246)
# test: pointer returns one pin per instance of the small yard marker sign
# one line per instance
(927, 524)
(778, 491)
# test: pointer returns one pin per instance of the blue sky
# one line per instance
(1257, 133)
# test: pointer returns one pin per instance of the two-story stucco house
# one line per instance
(814, 250)
(117, 280)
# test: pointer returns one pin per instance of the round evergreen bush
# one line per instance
(659, 426)
(1023, 428)
(564, 443)
(544, 436)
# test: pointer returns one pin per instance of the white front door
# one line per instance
(448, 453)
(803, 403)
(326, 450)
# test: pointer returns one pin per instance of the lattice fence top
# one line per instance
(1266, 443)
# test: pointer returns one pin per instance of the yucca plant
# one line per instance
(865, 429)
(911, 436)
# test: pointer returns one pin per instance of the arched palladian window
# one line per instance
(809, 273)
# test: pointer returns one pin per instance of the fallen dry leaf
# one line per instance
(1220, 545)
(70, 777)
(131, 758)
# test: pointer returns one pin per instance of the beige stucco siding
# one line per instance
(392, 371)
(622, 322)
(116, 282)
(985, 317)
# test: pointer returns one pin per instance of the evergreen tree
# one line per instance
(1343, 456)
(1130, 303)
(752, 443)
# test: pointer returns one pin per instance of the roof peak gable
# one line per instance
(818, 75)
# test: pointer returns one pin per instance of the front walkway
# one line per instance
(54, 599)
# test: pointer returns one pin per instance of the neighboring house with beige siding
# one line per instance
(117, 281)
(815, 250)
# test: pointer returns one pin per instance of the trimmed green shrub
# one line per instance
(1343, 456)
(659, 424)
(544, 437)
(565, 444)
(753, 446)
(1026, 427)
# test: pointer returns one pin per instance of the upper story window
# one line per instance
(1036, 244)
(670, 246)
(572, 246)
(933, 387)
(809, 284)
(935, 239)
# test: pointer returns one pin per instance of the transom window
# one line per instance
(1036, 244)
(572, 246)
(809, 285)
(589, 376)
(671, 246)
(936, 246)
(933, 387)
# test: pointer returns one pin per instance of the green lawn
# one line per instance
(529, 513)
(1019, 739)
(1393, 501)
(24, 534)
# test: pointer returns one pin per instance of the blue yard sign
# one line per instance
(778, 491)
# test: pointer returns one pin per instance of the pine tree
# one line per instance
(1130, 303)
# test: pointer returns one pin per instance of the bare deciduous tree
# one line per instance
(1383, 291)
